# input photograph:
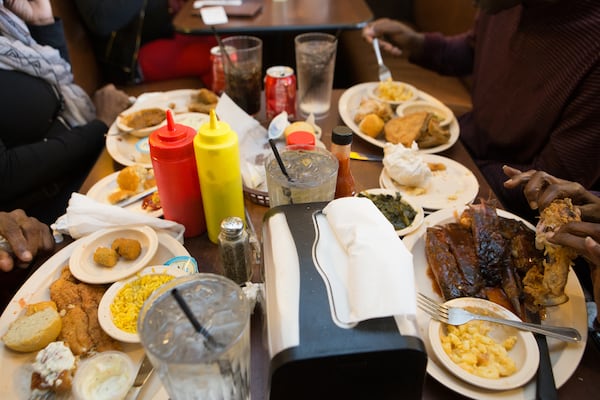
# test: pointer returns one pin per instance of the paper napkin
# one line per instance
(85, 215)
(370, 271)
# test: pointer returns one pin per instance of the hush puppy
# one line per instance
(129, 249)
(106, 257)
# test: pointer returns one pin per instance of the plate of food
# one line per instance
(450, 184)
(123, 185)
(565, 356)
(121, 303)
(148, 113)
(404, 215)
(53, 281)
(484, 354)
(189, 106)
(111, 254)
(370, 120)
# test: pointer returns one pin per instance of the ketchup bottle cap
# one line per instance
(172, 141)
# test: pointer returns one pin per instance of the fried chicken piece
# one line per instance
(557, 259)
(371, 106)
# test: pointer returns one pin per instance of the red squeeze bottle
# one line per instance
(341, 140)
(174, 163)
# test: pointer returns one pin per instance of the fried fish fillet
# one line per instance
(77, 302)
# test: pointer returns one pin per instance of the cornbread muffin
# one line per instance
(371, 125)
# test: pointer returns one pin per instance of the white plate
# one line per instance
(108, 185)
(16, 367)
(454, 186)
(122, 146)
(104, 313)
(84, 268)
(440, 110)
(525, 353)
(565, 356)
(350, 99)
(417, 221)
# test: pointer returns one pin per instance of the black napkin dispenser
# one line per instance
(312, 357)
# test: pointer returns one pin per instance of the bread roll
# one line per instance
(33, 332)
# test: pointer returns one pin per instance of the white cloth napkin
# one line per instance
(372, 274)
(85, 215)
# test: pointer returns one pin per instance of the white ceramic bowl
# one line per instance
(525, 352)
(109, 374)
(105, 317)
(417, 221)
(142, 132)
(410, 93)
(444, 114)
(84, 268)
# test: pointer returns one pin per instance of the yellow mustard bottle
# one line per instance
(217, 153)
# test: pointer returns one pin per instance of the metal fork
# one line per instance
(384, 71)
(460, 316)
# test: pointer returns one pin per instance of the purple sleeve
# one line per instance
(447, 55)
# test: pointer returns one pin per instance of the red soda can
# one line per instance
(218, 71)
(280, 91)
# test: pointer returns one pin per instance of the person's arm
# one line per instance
(26, 236)
(103, 17)
(447, 55)
(51, 35)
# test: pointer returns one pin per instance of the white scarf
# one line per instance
(20, 52)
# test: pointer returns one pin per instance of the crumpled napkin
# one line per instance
(371, 271)
(253, 141)
(85, 215)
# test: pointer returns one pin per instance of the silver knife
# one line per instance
(545, 386)
(142, 376)
(136, 197)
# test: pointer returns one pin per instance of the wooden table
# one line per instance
(286, 15)
(582, 385)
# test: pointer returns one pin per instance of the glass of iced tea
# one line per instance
(243, 71)
(312, 173)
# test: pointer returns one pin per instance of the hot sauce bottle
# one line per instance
(341, 141)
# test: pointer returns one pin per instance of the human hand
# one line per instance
(542, 188)
(395, 37)
(583, 237)
(109, 102)
(25, 235)
(33, 12)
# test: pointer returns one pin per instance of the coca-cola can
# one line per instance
(218, 70)
(280, 91)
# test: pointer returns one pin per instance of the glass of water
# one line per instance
(189, 365)
(312, 175)
(315, 64)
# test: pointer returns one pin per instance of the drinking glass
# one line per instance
(315, 64)
(312, 171)
(189, 365)
(243, 71)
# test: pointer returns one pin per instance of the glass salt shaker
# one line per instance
(234, 249)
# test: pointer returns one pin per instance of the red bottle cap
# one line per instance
(300, 137)
(172, 141)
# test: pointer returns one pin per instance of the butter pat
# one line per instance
(405, 166)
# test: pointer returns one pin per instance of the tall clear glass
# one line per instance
(188, 365)
(315, 64)
(243, 75)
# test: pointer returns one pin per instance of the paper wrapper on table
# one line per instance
(252, 136)
(340, 303)
(85, 215)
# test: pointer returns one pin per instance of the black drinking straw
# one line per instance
(279, 160)
(188, 313)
